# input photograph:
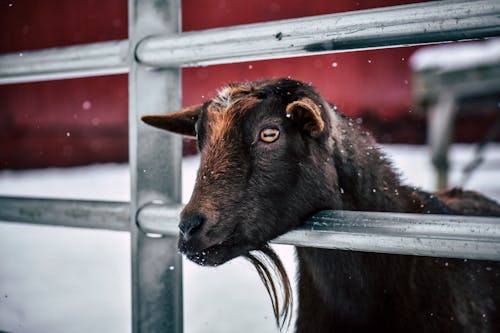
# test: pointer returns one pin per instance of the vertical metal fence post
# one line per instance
(155, 163)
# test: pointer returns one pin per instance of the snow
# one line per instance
(457, 55)
(57, 279)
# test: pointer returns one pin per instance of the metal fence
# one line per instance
(153, 55)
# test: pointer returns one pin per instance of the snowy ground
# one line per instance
(57, 279)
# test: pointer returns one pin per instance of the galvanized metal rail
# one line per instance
(404, 25)
(396, 233)
(413, 234)
(107, 215)
(94, 59)
(157, 290)
(421, 23)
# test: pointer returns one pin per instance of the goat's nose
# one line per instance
(190, 226)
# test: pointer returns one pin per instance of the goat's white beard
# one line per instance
(270, 268)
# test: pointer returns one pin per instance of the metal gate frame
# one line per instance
(153, 55)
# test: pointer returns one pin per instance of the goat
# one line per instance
(273, 153)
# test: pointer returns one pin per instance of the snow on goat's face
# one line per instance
(263, 160)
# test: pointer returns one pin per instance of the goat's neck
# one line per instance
(366, 179)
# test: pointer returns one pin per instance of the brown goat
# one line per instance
(275, 152)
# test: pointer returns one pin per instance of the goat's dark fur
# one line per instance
(249, 190)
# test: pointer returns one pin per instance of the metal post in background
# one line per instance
(440, 123)
(155, 162)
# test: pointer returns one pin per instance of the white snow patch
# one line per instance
(57, 279)
(456, 56)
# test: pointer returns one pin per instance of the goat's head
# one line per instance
(266, 150)
(265, 158)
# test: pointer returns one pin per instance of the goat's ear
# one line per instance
(181, 122)
(307, 114)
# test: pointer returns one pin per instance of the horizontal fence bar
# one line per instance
(70, 213)
(429, 22)
(159, 219)
(413, 234)
(397, 233)
(101, 58)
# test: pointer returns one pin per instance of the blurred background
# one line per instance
(46, 127)
(83, 121)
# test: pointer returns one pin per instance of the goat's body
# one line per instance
(342, 291)
(348, 291)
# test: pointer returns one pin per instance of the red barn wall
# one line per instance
(62, 122)
(81, 121)
(356, 81)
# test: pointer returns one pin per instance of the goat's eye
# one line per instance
(269, 135)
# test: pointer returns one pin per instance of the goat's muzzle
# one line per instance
(203, 243)
(190, 226)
